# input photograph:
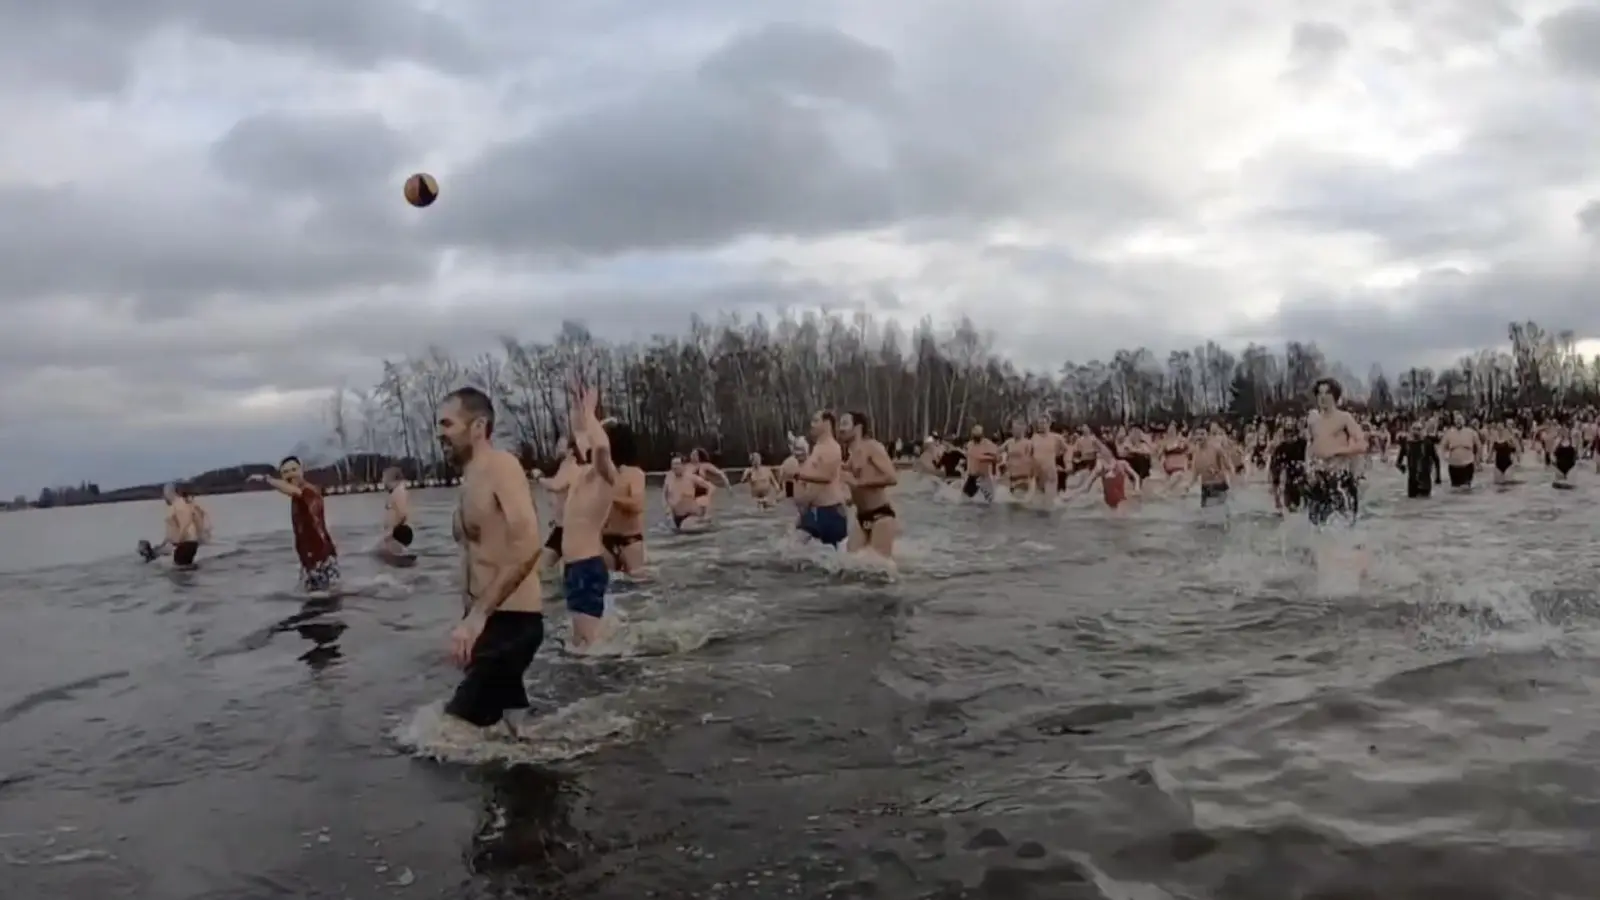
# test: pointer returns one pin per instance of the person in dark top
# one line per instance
(953, 463)
(1419, 459)
(1287, 470)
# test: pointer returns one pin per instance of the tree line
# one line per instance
(734, 386)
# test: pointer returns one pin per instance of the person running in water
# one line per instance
(1286, 469)
(763, 483)
(202, 517)
(590, 496)
(623, 534)
(1337, 445)
(869, 473)
(1564, 451)
(1119, 480)
(1462, 446)
(798, 450)
(557, 485)
(982, 457)
(502, 623)
(700, 464)
(319, 558)
(397, 533)
(681, 492)
(1419, 459)
(180, 530)
(819, 489)
(1213, 466)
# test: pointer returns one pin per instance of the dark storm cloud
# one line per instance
(1443, 315)
(1572, 39)
(802, 131)
(88, 44)
(312, 153)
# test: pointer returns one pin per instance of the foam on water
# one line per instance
(572, 731)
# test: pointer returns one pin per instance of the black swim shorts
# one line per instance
(493, 681)
(183, 552)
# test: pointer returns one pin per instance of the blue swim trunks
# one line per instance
(586, 581)
(827, 524)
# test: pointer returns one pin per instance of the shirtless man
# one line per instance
(763, 483)
(681, 491)
(798, 449)
(319, 559)
(869, 473)
(181, 533)
(590, 497)
(495, 522)
(623, 534)
(929, 459)
(1461, 446)
(1337, 444)
(557, 485)
(1544, 437)
(982, 456)
(202, 518)
(1214, 466)
(1047, 449)
(397, 534)
(818, 487)
(700, 464)
(1017, 458)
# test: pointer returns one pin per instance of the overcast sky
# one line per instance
(204, 229)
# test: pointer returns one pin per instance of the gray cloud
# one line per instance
(312, 154)
(1589, 217)
(747, 148)
(203, 198)
(1572, 39)
(92, 44)
(165, 251)
(804, 59)
(1444, 314)
(1315, 49)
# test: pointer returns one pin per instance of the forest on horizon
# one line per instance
(734, 387)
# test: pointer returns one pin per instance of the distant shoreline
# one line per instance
(143, 493)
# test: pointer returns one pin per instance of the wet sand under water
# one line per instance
(1063, 705)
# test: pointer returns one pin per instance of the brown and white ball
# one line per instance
(421, 190)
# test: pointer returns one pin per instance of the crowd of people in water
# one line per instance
(837, 480)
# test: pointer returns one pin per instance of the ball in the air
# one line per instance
(421, 190)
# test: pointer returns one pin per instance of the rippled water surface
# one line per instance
(1065, 705)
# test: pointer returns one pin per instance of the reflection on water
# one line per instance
(1043, 704)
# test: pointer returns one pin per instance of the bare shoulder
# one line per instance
(506, 472)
